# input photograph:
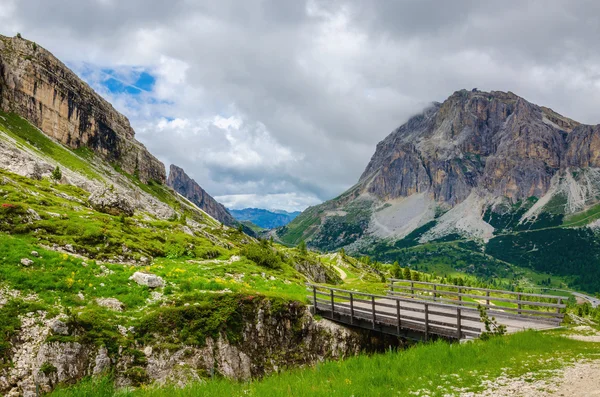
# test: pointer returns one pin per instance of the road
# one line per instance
(595, 302)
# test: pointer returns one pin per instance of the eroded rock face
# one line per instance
(272, 339)
(189, 189)
(40, 88)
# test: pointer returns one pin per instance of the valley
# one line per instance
(118, 278)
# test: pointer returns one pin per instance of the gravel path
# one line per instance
(580, 380)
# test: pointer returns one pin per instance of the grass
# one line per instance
(583, 218)
(26, 134)
(433, 369)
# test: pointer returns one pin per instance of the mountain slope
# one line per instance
(189, 188)
(476, 166)
(264, 218)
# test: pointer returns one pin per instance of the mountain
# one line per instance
(105, 270)
(264, 218)
(189, 189)
(487, 167)
(41, 89)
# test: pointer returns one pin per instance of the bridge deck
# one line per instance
(422, 318)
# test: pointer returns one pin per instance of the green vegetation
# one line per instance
(30, 137)
(583, 218)
(434, 369)
(570, 253)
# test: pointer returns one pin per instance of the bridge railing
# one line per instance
(395, 313)
(509, 304)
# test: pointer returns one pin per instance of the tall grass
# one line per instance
(439, 368)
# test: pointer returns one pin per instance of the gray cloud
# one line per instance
(284, 101)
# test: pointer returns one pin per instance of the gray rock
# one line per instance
(69, 248)
(111, 202)
(33, 215)
(111, 303)
(26, 262)
(35, 253)
(148, 279)
(59, 327)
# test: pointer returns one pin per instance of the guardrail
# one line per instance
(393, 315)
(546, 308)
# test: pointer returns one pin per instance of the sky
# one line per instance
(279, 104)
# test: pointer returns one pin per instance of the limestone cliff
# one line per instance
(40, 88)
(189, 189)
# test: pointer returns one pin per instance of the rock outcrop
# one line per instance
(270, 340)
(189, 189)
(111, 202)
(40, 88)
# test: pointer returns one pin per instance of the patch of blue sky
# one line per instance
(134, 83)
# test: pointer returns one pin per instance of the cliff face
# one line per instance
(189, 189)
(497, 141)
(40, 88)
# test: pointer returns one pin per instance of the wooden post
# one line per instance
(373, 309)
(398, 316)
(558, 308)
(458, 323)
(426, 322)
(331, 291)
(412, 288)
(315, 298)
(519, 304)
(351, 308)
(488, 298)
(459, 295)
(434, 293)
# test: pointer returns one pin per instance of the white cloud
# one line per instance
(267, 100)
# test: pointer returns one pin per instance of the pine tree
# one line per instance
(406, 274)
(415, 276)
(302, 247)
(57, 174)
(396, 270)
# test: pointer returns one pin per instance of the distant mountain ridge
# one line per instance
(190, 189)
(266, 219)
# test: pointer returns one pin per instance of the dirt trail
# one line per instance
(342, 273)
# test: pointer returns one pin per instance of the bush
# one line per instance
(262, 255)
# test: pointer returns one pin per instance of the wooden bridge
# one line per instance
(421, 310)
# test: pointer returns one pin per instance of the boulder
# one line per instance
(26, 262)
(35, 253)
(111, 303)
(148, 279)
(110, 202)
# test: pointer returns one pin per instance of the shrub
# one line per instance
(262, 256)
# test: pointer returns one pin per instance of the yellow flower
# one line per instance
(348, 381)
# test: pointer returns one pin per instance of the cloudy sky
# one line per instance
(279, 104)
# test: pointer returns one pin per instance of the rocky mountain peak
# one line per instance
(496, 139)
